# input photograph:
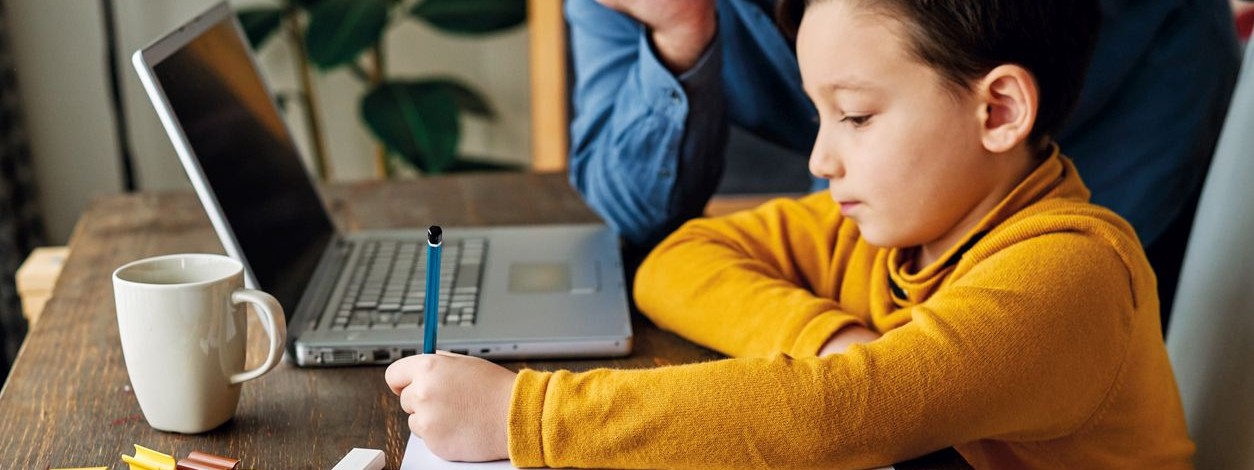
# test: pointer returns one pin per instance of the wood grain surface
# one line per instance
(68, 402)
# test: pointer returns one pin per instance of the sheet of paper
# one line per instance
(418, 457)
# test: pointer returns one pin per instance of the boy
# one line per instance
(1019, 323)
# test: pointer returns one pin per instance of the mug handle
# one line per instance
(271, 314)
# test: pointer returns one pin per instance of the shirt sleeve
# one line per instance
(753, 283)
(646, 146)
(995, 356)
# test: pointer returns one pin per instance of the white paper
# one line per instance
(418, 457)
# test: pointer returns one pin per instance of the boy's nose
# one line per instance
(825, 164)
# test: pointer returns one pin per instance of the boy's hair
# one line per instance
(964, 39)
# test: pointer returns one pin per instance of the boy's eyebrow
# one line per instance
(854, 85)
(848, 85)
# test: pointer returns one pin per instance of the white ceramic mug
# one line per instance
(184, 335)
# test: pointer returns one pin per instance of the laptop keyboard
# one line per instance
(388, 285)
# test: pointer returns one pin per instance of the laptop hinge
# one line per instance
(320, 288)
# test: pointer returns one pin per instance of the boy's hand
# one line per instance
(680, 30)
(846, 337)
(458, 404)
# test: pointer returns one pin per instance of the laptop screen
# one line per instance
(250, 162)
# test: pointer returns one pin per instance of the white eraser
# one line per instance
(361, 459)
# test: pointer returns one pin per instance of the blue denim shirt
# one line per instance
(647, 145)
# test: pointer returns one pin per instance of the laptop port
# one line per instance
(408, 352)
(459, 351)
(382, 355)
(339, 357)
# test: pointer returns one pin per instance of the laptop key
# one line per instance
(469, 277)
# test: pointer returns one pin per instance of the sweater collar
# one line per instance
(1055, 176)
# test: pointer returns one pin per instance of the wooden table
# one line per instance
(68, 403)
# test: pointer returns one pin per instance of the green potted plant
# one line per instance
(415, 119)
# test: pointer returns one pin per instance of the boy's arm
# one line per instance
(1002, 353)
(756, 282)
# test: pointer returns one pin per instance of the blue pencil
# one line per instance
(435, 243)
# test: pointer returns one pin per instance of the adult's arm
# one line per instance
(647, 145)
(1155, 96)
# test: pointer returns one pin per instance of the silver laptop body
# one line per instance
(538, 291)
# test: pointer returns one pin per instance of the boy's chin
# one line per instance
(882, 237)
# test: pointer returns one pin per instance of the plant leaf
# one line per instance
(468, 99)
(472, 16)
(306, 4)
(340, 29)
(259, 24)
(418, 121)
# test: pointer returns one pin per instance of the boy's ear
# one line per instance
(1008, 101)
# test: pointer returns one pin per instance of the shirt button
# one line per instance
(664, 174)
(675, 96)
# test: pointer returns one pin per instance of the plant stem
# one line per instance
(359, 72)
(382, 164)
(378, 71)
(321, 165)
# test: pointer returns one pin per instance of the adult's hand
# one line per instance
(680, 30)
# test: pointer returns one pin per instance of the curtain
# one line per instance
(21, 228)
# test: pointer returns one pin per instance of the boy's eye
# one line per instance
(856, 120)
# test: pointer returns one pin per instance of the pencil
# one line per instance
(435, 243)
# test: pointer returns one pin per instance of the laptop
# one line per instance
(524, 292)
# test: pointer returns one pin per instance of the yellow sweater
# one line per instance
(1037, 347)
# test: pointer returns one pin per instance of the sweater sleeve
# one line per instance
(1025, 346)
(753, 283)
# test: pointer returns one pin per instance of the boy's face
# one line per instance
(902, 152)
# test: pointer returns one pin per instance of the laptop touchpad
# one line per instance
(539, 278)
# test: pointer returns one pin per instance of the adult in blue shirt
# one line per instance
(658, 82)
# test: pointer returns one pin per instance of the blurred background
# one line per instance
(60, 56)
